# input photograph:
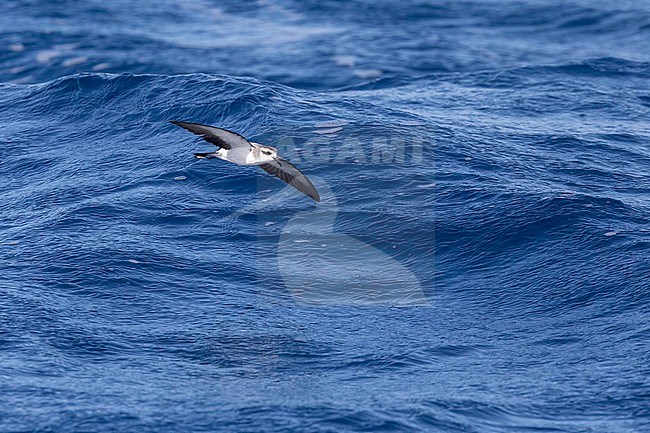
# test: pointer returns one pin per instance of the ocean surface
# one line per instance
(480, 261)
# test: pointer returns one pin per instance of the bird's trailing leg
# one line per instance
(206, 155)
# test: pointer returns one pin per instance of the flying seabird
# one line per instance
(235, 148)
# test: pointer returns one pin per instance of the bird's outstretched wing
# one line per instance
(288, 172)
(218, 136)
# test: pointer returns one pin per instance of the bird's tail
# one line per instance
(205, 155)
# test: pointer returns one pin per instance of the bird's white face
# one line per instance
(268, 153)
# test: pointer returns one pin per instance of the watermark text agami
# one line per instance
(337, 149)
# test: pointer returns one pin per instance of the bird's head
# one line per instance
(268, 153)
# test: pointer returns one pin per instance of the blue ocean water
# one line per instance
(479, 262)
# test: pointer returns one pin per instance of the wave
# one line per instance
(95, 149)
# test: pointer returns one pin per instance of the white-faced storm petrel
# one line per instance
(235, 148)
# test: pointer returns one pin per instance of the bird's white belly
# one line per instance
(251, 160)
(239, 156)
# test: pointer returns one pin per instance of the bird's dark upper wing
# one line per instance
(290, 174)
(218, 136)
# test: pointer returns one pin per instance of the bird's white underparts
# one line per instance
(235, 148)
